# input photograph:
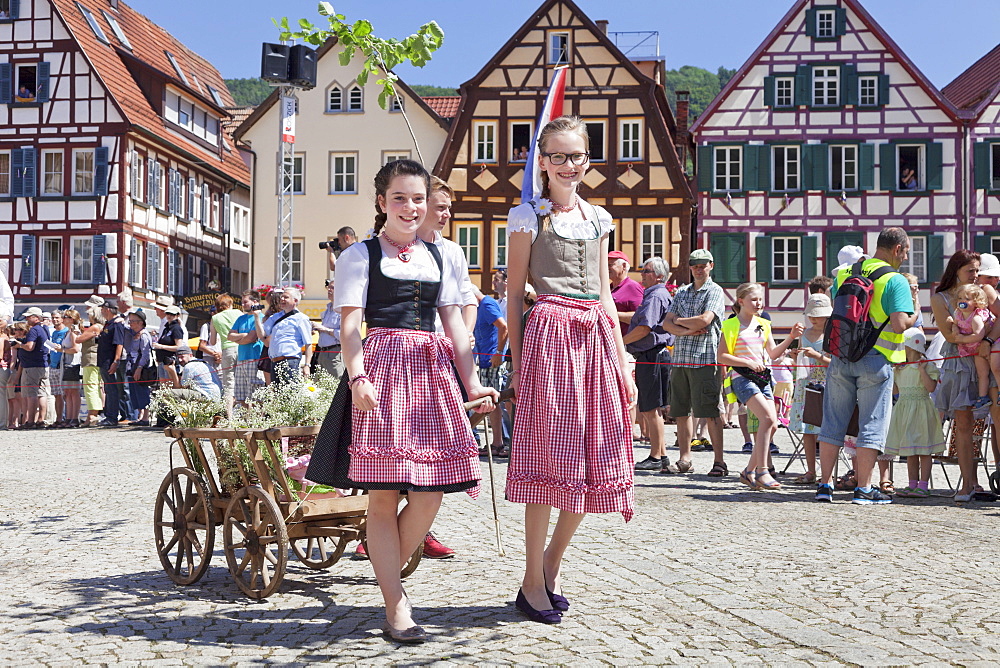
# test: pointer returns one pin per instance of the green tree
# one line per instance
(248, 92)
(702, 84)
(427, 91)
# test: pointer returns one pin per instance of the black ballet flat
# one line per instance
(558, 601)
(540, 616)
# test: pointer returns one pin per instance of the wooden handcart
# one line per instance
(250, 496)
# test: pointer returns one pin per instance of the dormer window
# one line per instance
(355, 98)
(177, 68)
(117, 30)
(215, 96)
(94, 25)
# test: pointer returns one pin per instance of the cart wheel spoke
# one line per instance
(166, 548)
(183, 545)
(256, 542)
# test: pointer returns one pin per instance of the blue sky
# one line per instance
(942, 38)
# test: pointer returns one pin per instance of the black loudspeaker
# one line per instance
(274, 63)
(302, 67)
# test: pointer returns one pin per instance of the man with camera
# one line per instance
(345, 237)
(286, 333)
(327, 354)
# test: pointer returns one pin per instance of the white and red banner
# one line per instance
(288, 120)
(531, 188)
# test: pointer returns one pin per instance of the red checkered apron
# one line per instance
(572, 445)
(419, 434)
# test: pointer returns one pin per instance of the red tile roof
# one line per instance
(236, 116)
(446, 106)
(149, 44)
(976, 86)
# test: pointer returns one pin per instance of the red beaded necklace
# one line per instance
(404, 249)
(559, 208)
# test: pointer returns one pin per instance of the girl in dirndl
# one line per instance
(572, 445)
(409, 432)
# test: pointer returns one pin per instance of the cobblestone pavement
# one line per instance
(708, 572)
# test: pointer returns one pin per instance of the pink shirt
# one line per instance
(627, 296)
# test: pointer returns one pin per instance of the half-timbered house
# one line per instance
(826, 135)
(114, 168)
(342, 138)
(635, 172)
(976, 94)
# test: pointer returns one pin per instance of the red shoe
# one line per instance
(434, 549)
(360, 553)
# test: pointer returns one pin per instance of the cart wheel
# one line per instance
(184, 526)
(414, 561)
(319, 552)
(256, 542)
(995, 482)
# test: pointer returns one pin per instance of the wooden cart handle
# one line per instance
(506, 395)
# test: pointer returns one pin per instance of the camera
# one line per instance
(333, 244)
(257, 307)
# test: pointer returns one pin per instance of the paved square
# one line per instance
(708, 572)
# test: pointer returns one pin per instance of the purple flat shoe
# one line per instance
(558, 601)
(540, 616)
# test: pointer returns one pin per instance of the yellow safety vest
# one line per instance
(731, 332)
(889, 343)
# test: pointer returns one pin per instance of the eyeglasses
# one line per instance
(560, 158)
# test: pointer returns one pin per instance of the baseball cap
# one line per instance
(915, 338)
(163, 301)
(847, 256)
(34, 310)
(818, 306)
(94, 300)
(989, 265)
(618, 255)
(172, 310)
(700, 256)
(183, 350)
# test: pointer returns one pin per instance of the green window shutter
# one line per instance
(730, 253)
(866, 167)
(808, 258)
(763, 167)
(811, 22)
(848, 84)
(935, 166)
(840, 26)
(803, 85)
(768, 91)
(982, 243)
(837, 240)
(888, 179)
(706, 164)
(883, 90)
(981, 166)
(935, 257)
(815, 168)
(763, 249)
(750, 168)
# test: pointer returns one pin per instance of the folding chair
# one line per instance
(981, 436)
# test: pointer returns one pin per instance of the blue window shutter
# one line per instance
(202, 275)
(981, 166)
(28, 171)
(6, 83)
(101, 171)
(803, 86)
(888, 179)
(808, 258)
(27, 260)
(866, 167)
(150, 264)
(97, 266)
(190, 198)
(133, 171)
(171, 271)
(15, 9)
(157, 281)
(883, 90)
(763, 248)
(42, 86)
(811, 22)
(206, 204)
(769, 92)
(935, 166)
(227, 202)
(17, 173)
(840, 22)
(848, 84)
(150, 181)
(706, 163)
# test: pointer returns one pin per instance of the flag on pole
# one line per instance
(531, 188)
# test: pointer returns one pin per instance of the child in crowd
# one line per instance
(973, 320)
(810, 352)
(746, 346)
(914, 428)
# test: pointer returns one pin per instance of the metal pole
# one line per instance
(286, 164)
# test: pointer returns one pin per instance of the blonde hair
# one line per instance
(973, 293)
(72, 315)
(439, 185)
(563, 124)
(743, 291)
(910, 277)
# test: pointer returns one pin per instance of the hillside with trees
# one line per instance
(702, 84)
(248, 92)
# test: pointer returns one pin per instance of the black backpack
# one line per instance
(850, 333)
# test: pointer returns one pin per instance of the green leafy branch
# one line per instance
(381, 55)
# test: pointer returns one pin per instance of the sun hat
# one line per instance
(915, 338)
(94, 300)
(618, 255)
(163, 301)
(700, 256)
(172, 310)
(989, 265)
(847, 256)
(34, 310)
(818, 306)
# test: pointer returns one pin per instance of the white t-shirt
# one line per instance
(522, 218)
(352, 274)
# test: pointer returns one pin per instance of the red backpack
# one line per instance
(850, 333)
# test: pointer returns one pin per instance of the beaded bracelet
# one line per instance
(360, 376)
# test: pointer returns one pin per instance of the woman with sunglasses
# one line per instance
(572, 445)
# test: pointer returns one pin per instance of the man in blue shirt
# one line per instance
(244, 333)
(286, 334)
(33, 356)
(196, 378)
(491, 338)
(111, 362)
